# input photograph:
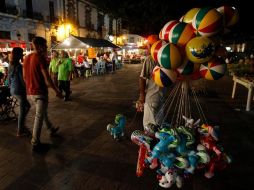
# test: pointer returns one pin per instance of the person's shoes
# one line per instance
(53, 131)
(36, 147)
(24, 132)
(40, 148)
(66, 99)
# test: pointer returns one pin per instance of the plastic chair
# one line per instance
(96, 68)
(102, 67)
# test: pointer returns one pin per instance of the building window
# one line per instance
(131, 39)
(5, 35)
(71, 11)
(100, 21)
(88, 16)
(30, 37)
(3, 6)
(51, 12)
(110, 30)
(118, 26)
(29, 8)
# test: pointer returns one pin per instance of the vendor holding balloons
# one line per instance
(151, 95)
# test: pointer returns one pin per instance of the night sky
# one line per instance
(146, 17)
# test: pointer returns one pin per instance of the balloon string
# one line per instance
(161, 117)
(199, 108)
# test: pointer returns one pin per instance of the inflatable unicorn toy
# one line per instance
(209, 139)
(117, 129)
(141, 138)
(166, 137)
(167, 161)
(191, 123)
(171, 177)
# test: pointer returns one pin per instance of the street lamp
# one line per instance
(63, 31)
(111, 38)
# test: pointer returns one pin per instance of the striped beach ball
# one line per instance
(188, 17)
(181, 19)
(230, 15)
(200, 49)
(155, 48)
(188, 67)
(169, 56)
(181, 33)
(213, 69)
(207, 22)
(166, 29)
(163, 77)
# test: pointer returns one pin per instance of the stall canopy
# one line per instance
(75, 42)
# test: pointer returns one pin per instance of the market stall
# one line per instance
(75, 42)
(75, 45)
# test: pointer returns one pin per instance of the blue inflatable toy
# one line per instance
(117, 129)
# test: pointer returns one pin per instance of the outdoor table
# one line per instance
(247, 82)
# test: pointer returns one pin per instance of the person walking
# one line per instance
(114, 60)
(18, 89)
(53, 69)
(37, 80)
(64, 74)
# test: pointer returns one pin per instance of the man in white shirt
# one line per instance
(151, 95)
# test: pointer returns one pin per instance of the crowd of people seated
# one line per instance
(103, 63)
(63, 68)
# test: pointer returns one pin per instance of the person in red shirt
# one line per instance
(37, 79)
(79, 66)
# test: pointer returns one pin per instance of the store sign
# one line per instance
(91, 53)
(7, 45)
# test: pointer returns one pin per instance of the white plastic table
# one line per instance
(249, 84)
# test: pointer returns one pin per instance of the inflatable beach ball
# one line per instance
(164, 33)
(155, 48)
(188, 17)
(169, 56)
(181, 33)
(213, 69)
(207, 22)
(188, 67)
(200, 49)
(181, 19)
(163, 77)
(230, 15)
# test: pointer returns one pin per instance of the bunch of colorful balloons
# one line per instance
(189, 48)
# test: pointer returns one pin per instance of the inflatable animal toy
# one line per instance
(117, 129)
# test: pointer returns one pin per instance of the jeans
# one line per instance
(41, 117)
(24, 107)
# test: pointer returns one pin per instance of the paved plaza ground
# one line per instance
(85, 157)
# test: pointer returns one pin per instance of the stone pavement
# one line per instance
(84, 155)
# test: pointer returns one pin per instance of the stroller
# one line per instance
(7, 104)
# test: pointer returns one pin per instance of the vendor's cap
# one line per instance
(152, 39)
